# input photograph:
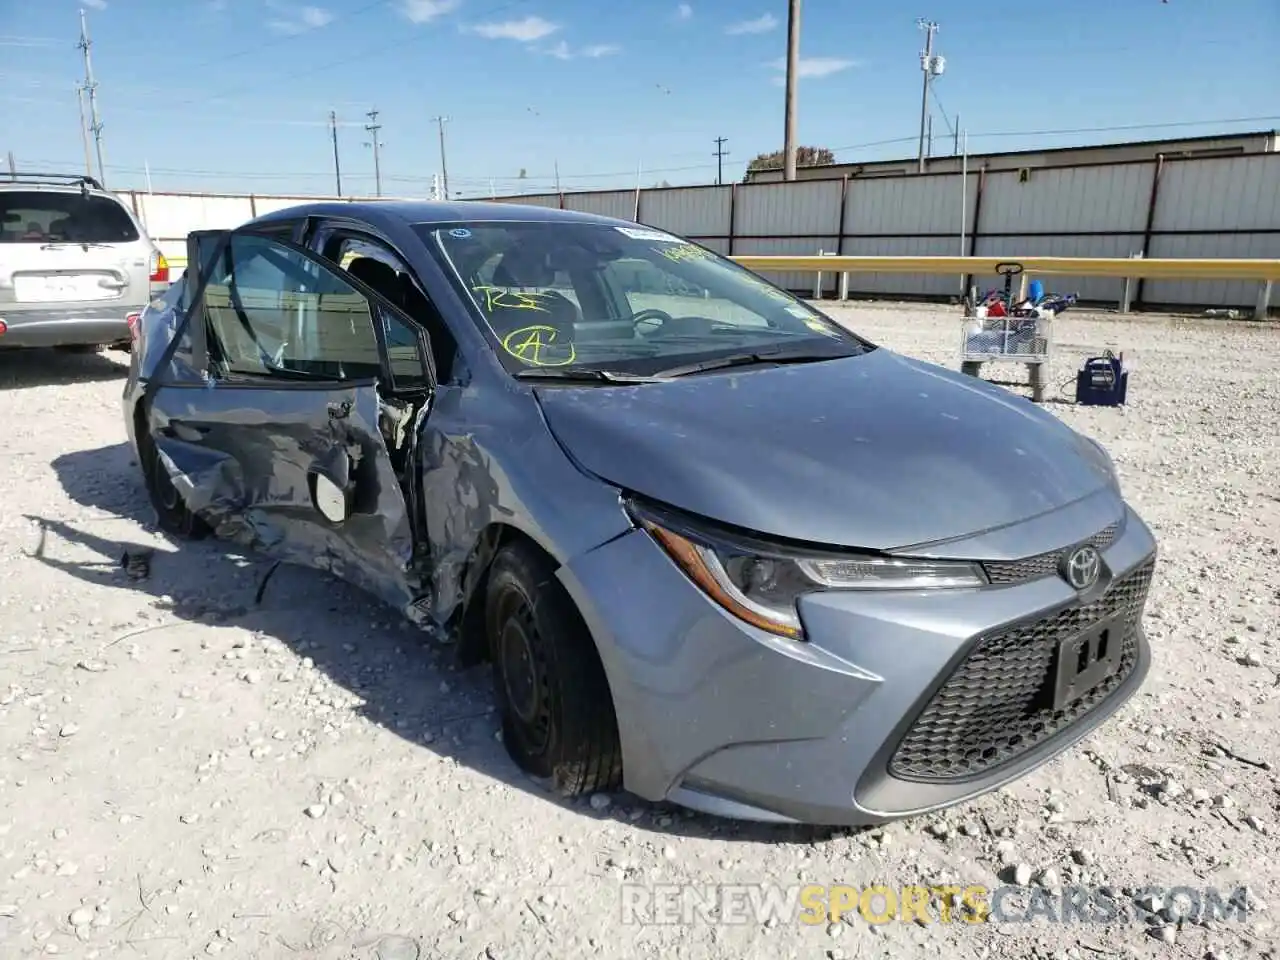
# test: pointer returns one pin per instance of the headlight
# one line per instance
(760, 583)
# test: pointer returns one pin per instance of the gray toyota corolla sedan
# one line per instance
(717, 549)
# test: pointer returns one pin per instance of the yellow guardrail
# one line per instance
(1153, 268)
(1266, 271)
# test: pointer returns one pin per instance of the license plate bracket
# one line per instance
(1087, 659)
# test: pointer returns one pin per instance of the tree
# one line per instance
(805, 157)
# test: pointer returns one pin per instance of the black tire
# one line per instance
(558, 721)
(172, 515)
(971, 368)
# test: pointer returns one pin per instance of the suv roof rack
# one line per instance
(82, 179)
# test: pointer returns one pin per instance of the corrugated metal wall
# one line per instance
(620, 204)
(1199, 201)
(1220, 207)
(699, 213)
(900, 216)
(787, 218)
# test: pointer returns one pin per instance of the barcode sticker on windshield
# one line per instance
(654, 236)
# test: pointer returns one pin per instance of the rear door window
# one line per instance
(39, 216)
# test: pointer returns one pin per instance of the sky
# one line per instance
(234, 96)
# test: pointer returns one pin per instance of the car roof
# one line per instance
(408, 212)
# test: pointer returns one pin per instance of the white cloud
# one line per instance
(562, 51)
(525, 31)
(424, 11)
(95, 4)
(315, 16)
(684, 11)
(759, 25)
(300, 19)
(811, 67)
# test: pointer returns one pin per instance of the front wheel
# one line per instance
(558, 721)
(172, 515)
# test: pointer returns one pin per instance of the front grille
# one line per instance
(1004, 572)
(998, 703)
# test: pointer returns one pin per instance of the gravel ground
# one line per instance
(185, 773)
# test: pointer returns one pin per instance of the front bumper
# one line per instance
(718, 716)
(73, 327)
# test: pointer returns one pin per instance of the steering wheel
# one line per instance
(650, 315)
(1008, 269)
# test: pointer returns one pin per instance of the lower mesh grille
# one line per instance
(998, 703)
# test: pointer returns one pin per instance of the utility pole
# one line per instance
(927, 66)
(556, 164)
(955, 146)
(92, 86)
(337, 167)
(84, 131)
(13, 167)
(793, 64)
(720, 154)
(440, 121)
(373, 127)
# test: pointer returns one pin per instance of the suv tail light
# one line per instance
(133, 320)
(159, 268)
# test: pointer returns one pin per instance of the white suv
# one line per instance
(75, 264)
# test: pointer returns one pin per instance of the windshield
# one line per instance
(633, 299)
(41, 216)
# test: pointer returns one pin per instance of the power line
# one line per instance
(377, 50)
(28, 42)
(629, 174)
(272, 41)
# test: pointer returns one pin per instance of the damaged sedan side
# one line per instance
(716, 548)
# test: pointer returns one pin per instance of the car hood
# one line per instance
(875, 451)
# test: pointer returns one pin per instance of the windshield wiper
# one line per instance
(583, 375)
(745, 359)
(54, 244)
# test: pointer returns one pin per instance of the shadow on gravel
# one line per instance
(20, 369)
(407, 681)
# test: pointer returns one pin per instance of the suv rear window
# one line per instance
(38, 216)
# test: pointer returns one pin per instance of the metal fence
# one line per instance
(1212, 207)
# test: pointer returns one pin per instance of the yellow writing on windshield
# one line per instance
(536, 345)
(684, 252)
(499, 298)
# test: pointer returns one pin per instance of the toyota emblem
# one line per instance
(1082, 567)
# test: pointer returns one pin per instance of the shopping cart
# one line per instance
(1018, 336)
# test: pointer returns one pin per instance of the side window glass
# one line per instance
(404, 351)
(384, 271)
(273, 312)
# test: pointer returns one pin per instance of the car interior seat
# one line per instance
(521, 269)
(401, 290)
